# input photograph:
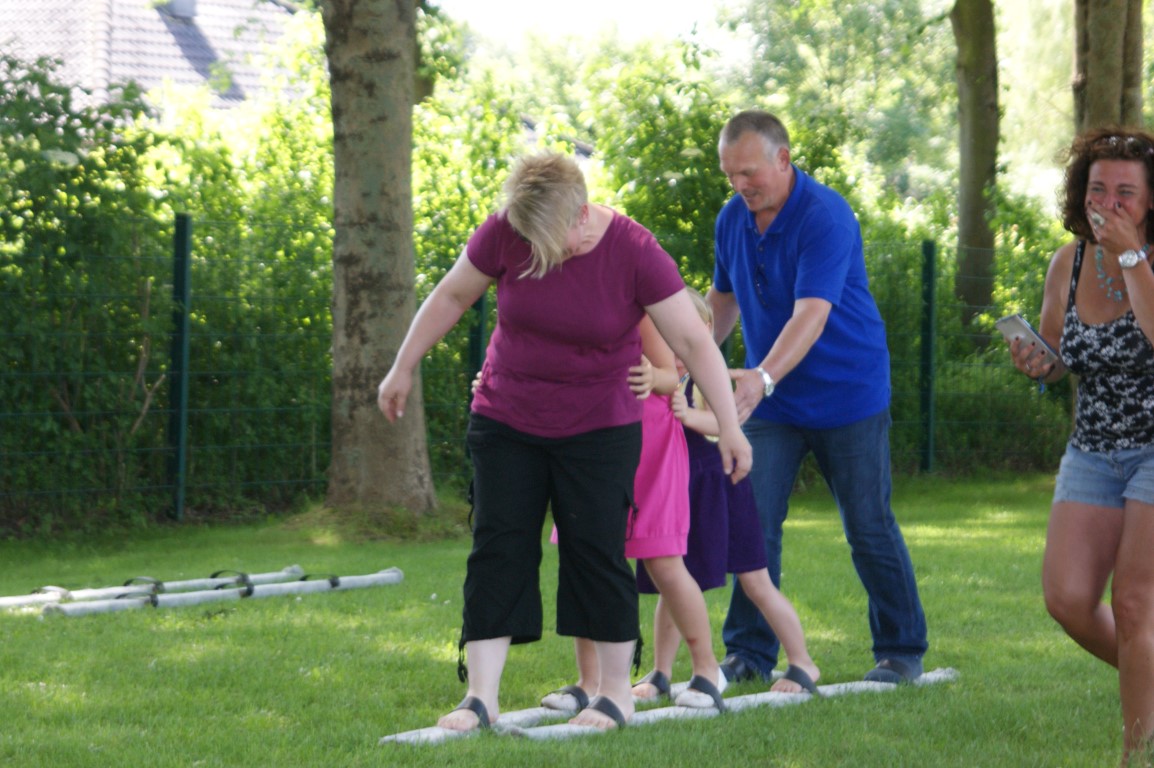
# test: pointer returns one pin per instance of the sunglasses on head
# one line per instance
(1130, 144)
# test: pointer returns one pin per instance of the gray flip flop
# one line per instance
(477, 707)
(605, 706)
(702, 685)
(893, 671)
(658, 680)
(802, 678)
(576, 691)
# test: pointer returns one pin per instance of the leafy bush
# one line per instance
(82, 311)
(88, 193)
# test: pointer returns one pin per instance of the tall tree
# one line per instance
(372, 51)
(864, 77)
(1107, 63)
(978, 129)
(661, 113)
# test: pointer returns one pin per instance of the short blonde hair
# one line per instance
(543, 196)
(704, 311)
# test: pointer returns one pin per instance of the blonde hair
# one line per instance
(543, 196)
(704, 311)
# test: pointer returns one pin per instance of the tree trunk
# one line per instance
(977, 75)
(371, 52)
(1108, 63)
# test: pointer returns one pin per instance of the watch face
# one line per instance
(1129, 259)
(767, 381)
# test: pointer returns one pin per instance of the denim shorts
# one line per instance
(1106, 479)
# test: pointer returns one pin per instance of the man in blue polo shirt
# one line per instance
(790, 266)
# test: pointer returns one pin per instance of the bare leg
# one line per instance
(1133, 604)
(486, 663)
(666, 638)
(783, 620)
(588, 666)
(686, 605)
(613, 660)
(587, 676)
(1081, 549)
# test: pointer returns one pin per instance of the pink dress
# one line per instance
(660, 527)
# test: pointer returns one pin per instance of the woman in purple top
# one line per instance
(554, 424)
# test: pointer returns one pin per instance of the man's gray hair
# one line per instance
(756, 121)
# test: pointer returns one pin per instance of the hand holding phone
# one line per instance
(1017, 327)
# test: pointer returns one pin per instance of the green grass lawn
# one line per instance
(316, 680)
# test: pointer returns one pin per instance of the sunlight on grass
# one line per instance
(817, 635)
(55, 693)
(1005, 517)
(323, 538)
(317, 679)
(264, 720)
(799, 522)
(428, 647)
(192, 653)
(973, 532)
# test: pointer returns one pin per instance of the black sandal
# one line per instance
(702, 685)
(605, 706)
(477, 707)
(576, 691)
(796, 674)
(658, 680)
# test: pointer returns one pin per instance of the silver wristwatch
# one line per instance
(1130, 259)
(766, 379)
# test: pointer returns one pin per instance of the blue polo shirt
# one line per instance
(813, 249)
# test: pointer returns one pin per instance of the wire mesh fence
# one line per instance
(90, 427)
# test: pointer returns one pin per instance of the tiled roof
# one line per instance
(116, 41)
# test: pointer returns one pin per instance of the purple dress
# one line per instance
(724, 529)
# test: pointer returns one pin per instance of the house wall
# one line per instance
(199, 43)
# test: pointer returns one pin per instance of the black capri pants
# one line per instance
(587, 480)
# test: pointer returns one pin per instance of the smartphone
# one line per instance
(1018, 327)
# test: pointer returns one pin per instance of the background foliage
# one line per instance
(88, 192)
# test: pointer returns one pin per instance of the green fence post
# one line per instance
(178, 367)
(478, 341)
(929, 329)
(478, 338)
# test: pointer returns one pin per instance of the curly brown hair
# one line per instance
(1107, 143)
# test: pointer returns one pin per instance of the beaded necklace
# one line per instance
(1106, 281)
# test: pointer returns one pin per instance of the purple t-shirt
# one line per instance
(558, 360)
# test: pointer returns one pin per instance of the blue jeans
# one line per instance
(855, 462)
